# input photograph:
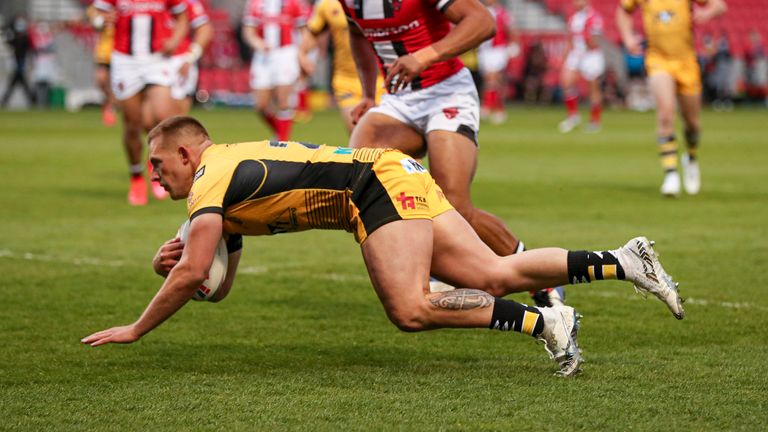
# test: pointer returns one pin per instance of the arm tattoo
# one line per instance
(462, 299)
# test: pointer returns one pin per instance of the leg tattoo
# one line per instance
(462, 299)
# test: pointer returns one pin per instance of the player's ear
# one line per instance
(184, 154)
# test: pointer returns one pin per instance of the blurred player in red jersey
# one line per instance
(141, 72)
(584, 58)
(493, 56)
(432, 106)
(189, 52)
(270, 28)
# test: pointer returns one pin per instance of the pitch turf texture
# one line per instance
(302, 342)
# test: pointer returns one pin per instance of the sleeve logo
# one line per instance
(411, 166)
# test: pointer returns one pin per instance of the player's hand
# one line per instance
(184, 72)
(400, 73)
(360, 109)
(167, 256)
(307, 66)
(123, 334)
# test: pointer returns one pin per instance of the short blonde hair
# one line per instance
(178, 125)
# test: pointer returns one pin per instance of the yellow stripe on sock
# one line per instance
(669, 162)
(668, 147)
(609, 271)
(591, 272)
(529, 322)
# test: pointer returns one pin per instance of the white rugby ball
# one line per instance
(216, 273)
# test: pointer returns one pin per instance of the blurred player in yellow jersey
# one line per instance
(328, 15)
(673, 74)
(102, 54)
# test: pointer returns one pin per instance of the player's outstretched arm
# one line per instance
(367, 69)
(624, 24)
(179, 287)
(713, 9)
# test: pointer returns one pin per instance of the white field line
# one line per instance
(688, 300)
(338, 277)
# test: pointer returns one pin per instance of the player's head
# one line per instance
(175, 148)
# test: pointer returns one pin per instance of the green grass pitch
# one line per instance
(302, 342)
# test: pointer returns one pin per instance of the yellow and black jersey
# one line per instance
(271, 187)
(102, 52)
(668, 25)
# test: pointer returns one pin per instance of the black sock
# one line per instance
(692, 141)
(586, 266)
(510, 315)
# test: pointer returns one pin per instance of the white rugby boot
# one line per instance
(691, 175)
(569, 123)
(671, 185)
(561, 328)
(642, 267)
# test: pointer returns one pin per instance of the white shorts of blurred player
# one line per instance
(451, 105)
(492, 59)
(183, 87)
(278, 67)
(130, 74)
(590, 64)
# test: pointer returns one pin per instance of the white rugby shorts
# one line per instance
(492, 59)
(451, 105)
(278, 67)
(590, 64)
(183, 87)
(130, 74)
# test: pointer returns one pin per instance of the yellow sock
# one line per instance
(668, 152)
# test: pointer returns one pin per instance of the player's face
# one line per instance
(579, 4)
(170, 168)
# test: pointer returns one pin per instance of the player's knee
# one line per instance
(501, 278)
(409, 319)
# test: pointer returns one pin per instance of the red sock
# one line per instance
(595, 113)
(283, 127)
(489, 98)
(270, 119)
(302, 102)
(572, 103)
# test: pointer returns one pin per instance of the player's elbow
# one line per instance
(193, 276)
(489, 27)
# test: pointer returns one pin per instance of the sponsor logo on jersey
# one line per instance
(199, 173)
(129, 6)
(390, 31)
(411, 166)
(191, 200)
